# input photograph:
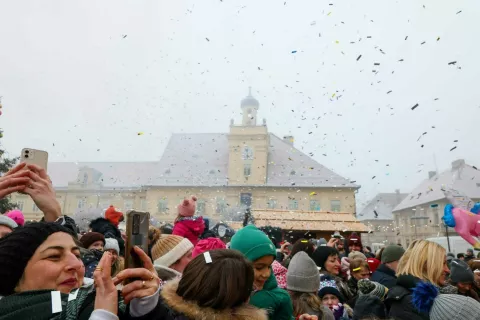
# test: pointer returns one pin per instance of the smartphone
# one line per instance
(33, 156)
(138, 223)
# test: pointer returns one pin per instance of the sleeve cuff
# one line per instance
(101, 314)
(141, 307)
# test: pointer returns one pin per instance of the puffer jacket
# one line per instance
(384, 275)
(190, 228)
(90, 259)
(109, 230)
(179, 309)
(399, 300)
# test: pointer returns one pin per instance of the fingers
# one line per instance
(10, 185)
(141, 273)
(138, 294)
(39, 170)
(147, 262)
(15, 169)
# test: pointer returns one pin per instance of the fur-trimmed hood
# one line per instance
(192, 311)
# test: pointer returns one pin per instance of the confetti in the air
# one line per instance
(359, 57)
(313, 193)
(140, 134)
(415, 107)
(452, 63)
(294, 51)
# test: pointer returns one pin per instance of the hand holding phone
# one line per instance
(36, 157)
(137, 236)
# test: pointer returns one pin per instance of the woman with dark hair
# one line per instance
(300, 245)
(210, 290)
(43, 277)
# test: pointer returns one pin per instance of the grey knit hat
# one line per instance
(392, 253)
(367, 287)
(302, 274)
(8, 222)
(460, 272)
(111, 244)
(426, 299)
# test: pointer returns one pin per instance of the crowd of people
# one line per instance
(50, 270)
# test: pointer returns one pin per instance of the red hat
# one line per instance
(373, 264)
(354, 239)
(207, 245)
(113, 215)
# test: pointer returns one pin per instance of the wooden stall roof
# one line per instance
(306, 220)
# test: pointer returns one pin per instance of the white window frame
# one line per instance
(272, 204)
(315, 205)
(221, 206)
(162, 205)
(82, 203)
(335, 205)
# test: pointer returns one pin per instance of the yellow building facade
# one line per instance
(246, 167)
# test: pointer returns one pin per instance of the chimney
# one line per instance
(431, 174)
(457, 164)
(289, 140)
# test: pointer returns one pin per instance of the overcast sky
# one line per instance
(81, 79)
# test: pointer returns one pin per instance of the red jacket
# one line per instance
(190, 228)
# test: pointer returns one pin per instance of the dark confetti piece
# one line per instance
(415, 107)
(438, 39)
(401, 60)
(124, 36)
(474, 168)
(359, 57)
(459, 12)
(455, 140)
(406, 37)
(422, 145)
(453, 148)
(374, 177)
(452, 63)
(423, 42)
(207, 39)
(294, 51)
(376, 64)
(389, 92)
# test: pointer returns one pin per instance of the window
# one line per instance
(247, 153)
(85, 178)
(81, 203)
(163, 205)
(201, 207)
(335, 205)
(221, 206)
(247, 170)
(20, 205)
(293, 204)
(246, 199)
(128, 204)
(143, 204)
(271, 204)
(314, 205)
(34, 208)
(435, 220)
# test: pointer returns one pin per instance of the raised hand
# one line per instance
(106, 297)
(14, 180)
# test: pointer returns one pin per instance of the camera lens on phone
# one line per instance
(27, 151)
(26, 156)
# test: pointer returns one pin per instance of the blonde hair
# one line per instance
(423, 259)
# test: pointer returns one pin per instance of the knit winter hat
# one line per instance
(302, 274)
(354, 239)
(322, 242)
(91, 237)
(426, 299)
(207, 245)
(8, 222)
(321, 254)
(17, 216)
(356, 255)
(329, 286)
(111, 244)
(373, 264)
(169, 249)
(366, 286)
(392, 253)
(460, 272)
(113, 215)
(18, 247)
(187, 207)
(252, 243)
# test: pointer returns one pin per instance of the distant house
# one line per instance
(378, 218)
(419, 215)
(248, 166)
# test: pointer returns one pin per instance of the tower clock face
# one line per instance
(247, 153)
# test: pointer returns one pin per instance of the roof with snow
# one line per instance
(381, 206)
(201, 159)
(461, 176)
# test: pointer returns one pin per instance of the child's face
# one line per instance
(261, 267)
(364, 273)
(330, 300)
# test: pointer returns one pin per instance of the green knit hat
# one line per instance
(252, 243)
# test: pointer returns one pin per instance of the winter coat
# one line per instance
(166, 274)
(190, 228)
(280, 274)
(326, 313)
(180, 309)
(109, 230)
(344, 312)
(90, 259)
(352, 284)
(384, 275)
(399, 300)
(369, 305)
(276, 301)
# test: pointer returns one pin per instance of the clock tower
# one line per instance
(248, 147)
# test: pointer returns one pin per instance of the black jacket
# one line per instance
(109, 230)
(399, 300)
(367, 306)
(384, 275)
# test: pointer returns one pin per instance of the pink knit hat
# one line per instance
(187, 207)
(17, 216)
(207, 245)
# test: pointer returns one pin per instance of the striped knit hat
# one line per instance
(18, 247)
(367, 287)
(169, 249)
